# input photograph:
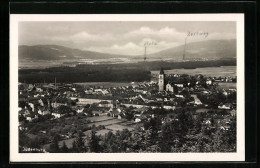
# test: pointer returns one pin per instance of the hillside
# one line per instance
(212, 49)
(56, 52)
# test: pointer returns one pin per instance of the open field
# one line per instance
(119, 127)
(228, 85)
(105, 122)
(222, 71)
(104, 84)
(99, 118)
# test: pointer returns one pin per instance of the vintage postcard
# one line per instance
(153, 87)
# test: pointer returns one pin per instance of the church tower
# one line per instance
(161, 81)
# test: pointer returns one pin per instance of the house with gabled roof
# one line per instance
(43, 110)
(226, 106)
(44, 102)
(58, 114)
(30, 117)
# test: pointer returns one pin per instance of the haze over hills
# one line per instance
(212, 49)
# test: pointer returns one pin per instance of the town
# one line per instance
(169, 113)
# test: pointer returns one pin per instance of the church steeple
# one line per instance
(161, 72)
(161, 80)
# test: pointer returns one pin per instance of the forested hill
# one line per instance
(212, 49)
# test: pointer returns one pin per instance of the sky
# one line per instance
(127, 38)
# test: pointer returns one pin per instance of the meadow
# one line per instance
(222, 71)
(227, 85)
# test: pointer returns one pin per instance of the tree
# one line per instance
(155, 126)
(73, 103)
(94, 143)
(54, 147)
(185, 93)
(198, 122)
(225, 140)
(122, 139)
(74, 147)
(186, 121)
(110, 143)
(80, 142)
(171, 135)
(64, 109)
(23, 139)
(64, 148)
(87, 106)
(88, 111)
(129, 116)
(22, 104)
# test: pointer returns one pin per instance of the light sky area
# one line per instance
(127, 38)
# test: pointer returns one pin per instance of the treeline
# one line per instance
(157, 65)
(124, 75)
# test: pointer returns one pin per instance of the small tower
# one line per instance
(161, 81)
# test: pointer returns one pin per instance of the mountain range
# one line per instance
(211, 49)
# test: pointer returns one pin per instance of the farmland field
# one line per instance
(228, 85)
(222, 71)
(99, 118)
(103, 84)
(119, 127)
(106, 122)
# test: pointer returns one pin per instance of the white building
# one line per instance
(169, 88)
(57, 115)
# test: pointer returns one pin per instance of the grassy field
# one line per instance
(119, 127)
(105, 122)
(222, 71)
(99, 118)
(104, 84)
(228, 85)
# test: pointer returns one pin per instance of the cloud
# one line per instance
(132, 48)
(82, 37)
(165, 45)
(165, 33)
(129, 48)
(121, 38)
(140, 31)
(169, 31)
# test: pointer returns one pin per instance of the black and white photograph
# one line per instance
(137, 87)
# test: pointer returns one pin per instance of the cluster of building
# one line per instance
(59, 100)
